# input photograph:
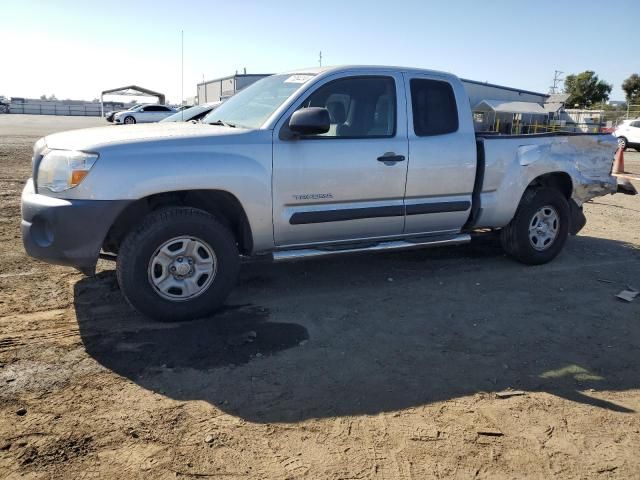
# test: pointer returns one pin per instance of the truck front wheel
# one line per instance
(179, 264)
(538, 231)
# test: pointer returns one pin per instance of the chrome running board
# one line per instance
(406, 244)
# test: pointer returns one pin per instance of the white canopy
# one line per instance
(501, 106)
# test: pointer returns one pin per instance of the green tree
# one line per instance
(586, 89)
(631, 87)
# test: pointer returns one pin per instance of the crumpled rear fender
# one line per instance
(586, 159)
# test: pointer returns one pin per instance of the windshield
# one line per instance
(189, 113)
(135, 107)
(251, 107)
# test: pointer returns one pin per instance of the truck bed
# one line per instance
(508, 163)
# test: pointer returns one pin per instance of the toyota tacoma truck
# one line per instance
(300, 165)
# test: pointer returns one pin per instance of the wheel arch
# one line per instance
(219, 203)
(558, 180)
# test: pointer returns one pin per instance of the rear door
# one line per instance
(347, 184)
(162, 112)
(442, 159)
(145, 114)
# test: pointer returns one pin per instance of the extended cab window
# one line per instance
(359, 107)
(434, 107)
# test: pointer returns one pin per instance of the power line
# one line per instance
(557, 78)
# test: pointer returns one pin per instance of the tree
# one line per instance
(631, 87)
(586, 89)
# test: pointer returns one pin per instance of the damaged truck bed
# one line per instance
(578, 164)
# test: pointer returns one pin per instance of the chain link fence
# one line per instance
(603, 120)
(613, 118)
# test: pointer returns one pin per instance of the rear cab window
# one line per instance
(435, 111)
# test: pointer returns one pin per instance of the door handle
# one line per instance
(391, 157)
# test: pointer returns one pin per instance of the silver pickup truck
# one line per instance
(302, 164)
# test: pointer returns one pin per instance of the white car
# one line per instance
(628, 134)
(143, 114)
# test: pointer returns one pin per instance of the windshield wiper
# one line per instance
(223, 123)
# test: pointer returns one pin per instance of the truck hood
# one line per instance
(92, 139)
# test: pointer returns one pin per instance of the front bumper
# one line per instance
(66, 232)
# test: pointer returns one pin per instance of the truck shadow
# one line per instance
(374, 333)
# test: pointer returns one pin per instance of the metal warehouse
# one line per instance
(222, 88)
(479, 91)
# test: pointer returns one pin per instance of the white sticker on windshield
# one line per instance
(298, 78)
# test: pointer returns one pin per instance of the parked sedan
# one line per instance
(143, 114)
(194, 114)
(111, 114)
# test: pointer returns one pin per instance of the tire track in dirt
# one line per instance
(46, 326)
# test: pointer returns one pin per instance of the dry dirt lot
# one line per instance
(381, 367)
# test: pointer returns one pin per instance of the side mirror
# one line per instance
(310, 121)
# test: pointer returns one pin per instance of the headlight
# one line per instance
(61, 170)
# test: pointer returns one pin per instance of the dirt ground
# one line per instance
(373, 366)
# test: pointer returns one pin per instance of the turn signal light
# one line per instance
(77, 176)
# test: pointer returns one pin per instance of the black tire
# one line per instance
(129, 120)
(515, 236)
(137, 249)
(623, 143)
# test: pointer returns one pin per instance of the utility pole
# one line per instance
(320, 58)
(182, 72)
(556, 80)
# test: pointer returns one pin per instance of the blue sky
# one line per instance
(75, 49)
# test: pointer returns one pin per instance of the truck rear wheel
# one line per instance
(538, 231)
(179, 264)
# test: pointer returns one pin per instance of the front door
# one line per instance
(346, 184)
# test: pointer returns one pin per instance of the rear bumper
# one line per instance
(66, 232)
